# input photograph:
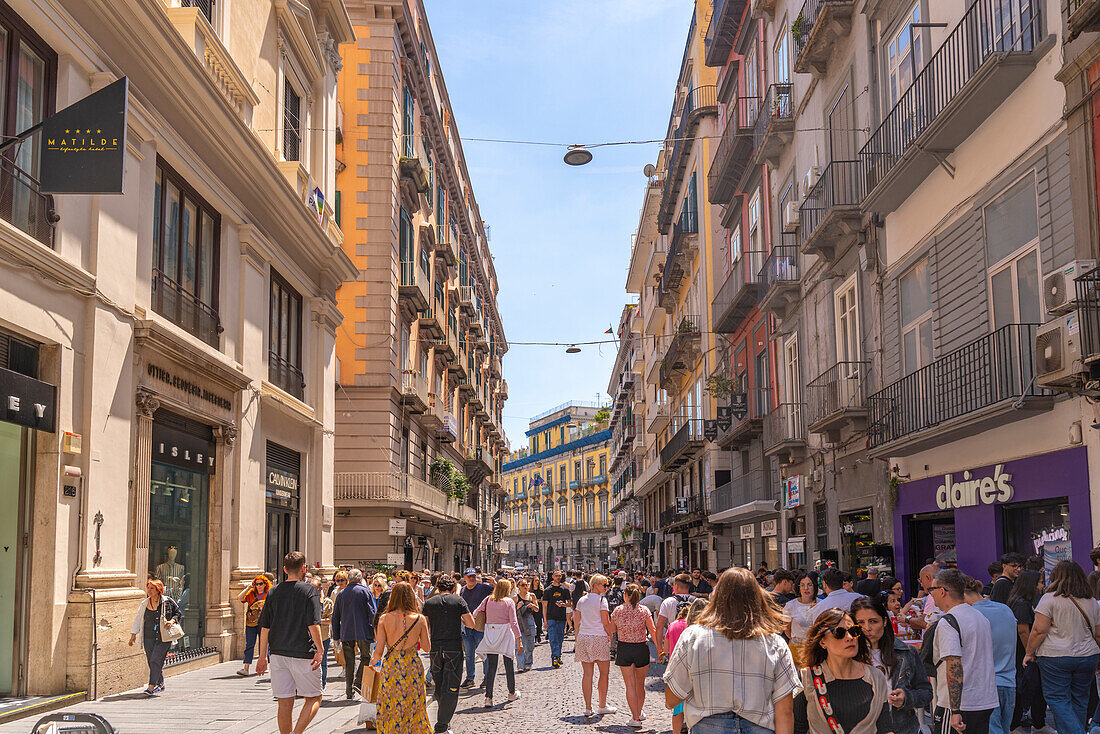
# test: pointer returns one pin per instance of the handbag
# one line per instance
(479, 621)
(170, 629)
(373, 689)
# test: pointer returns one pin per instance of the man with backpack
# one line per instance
(961, 645)
(671, 607)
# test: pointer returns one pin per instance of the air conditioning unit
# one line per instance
(791, 217)
(1059, 287)
(811, 178)
(1058, 362)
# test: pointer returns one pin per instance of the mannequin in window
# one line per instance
(170, 574)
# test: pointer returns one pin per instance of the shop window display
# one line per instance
(1038, 529)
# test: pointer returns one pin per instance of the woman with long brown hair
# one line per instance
(634, 626)
(910, 690)
(401, 704)
(849, 689)
(732, 669)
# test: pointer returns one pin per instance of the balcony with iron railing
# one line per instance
(374, 489)
(1081, 16)
(286, 376)
(185, 309)
(413, 289)
(757, 403)
(734, 151)
(785, 432)
(23, 205)
(738, 296)
(657, 416)
(830, 217)
(837, 399)
(725, 22)
(816, 30)
(683, 351)
(698, 103)
(429, 323)
(985, 58)
(693, 508)
(774, 127)
(746, 496)
(446, 245)
(781, 279)
(479, 463)
(466, 299)
(414, 392)
(988, 382)
(683, 445)
(683, 244)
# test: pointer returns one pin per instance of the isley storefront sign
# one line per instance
(159, 373)
(971, 490)
(27, 401)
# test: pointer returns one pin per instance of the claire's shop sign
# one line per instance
(975, 486)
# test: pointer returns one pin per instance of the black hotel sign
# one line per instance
(82, 147)
(27, 401)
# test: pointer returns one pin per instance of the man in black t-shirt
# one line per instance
(290, 626)
(700, 587)
(555, 604)
(1011, 566)
(446, 613)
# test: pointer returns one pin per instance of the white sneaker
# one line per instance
(636, 723)
(513, 696)
(589, 713)
(488, 702)
(606, 709)
(642, 716)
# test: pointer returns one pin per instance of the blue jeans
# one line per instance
(728, 723)
(527, 628)
(1001, 720)
(471, 638)
(324, 663)
(1066, 682)
(555, 632)
(251, 634)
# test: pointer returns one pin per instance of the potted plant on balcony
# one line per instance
(440, 473)
(460, 487)
(720, 387)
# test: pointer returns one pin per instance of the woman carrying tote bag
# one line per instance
(157, 621)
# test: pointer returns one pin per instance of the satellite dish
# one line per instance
(649, 170)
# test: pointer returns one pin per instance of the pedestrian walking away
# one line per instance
(633, 625)
(353, 617)
(1063, 642)
(501, 638)
(733, 671)
(446, 613)
(671, 609)
(555, 603)
(155, 612)
(1002, 627)
(473, 593)
(1031, 705)
(527, 611)
(592, 622)
(402, 708)
(253, 599)
(290, 628)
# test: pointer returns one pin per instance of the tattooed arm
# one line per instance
(953, 665)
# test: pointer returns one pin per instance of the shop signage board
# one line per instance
(796, 545)
(739, 404)
(182, 449)
(792, 491)
(769, 528)
(281, 484)
(710, 430)
(725, 418)
(1054, 551)
(28, 402)
(748, 532)
(82, 147)
(397, 526)
(395, 559)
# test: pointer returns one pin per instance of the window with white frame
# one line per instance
(916, 317)
(904, 55)
(792, 381)
(756, 237)
(846, 304)
(1012, 239)
(292, 121)
(782, 55)
(562, 513)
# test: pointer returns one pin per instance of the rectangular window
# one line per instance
(185, 256)
(904, 56)
(562, 512)
(603, 465)
(206, 7)
(292, 122)
(821, 525)
(284, 351)
(782, 56)
(1012, 239)
(407, 124)
(756, 238)
(792, 381)
(847, 322)
(916, 318)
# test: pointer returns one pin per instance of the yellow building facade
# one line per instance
(557, 492)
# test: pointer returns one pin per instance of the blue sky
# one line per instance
(565, 71)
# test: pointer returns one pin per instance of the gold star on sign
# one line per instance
(66, 131)
(99, 131)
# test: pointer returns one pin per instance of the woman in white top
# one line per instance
(1063, 643)
(798, 610)
(592, 621)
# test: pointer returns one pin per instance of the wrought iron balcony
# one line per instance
(657, 416)
(479, 463)
(692, 508)
(744, 429)
(447, 432)
(725, 21)
(1081, 16)
(682, 245)
(286, 376)
(744, 496)
(206, 7)
(837, 398)
(184, 309)
(988, 54)
(990, 381)
(734, 151)
(23, 205)
(774, 127)
(830, 215)
(738, 296)
(414, 392)
(816, 30)
(683, 351)
(782, 281)
(698, 102)
(446, 246)
(683, 445)
(785, 431)
(429, 324)
(466, 299)
(413, 289)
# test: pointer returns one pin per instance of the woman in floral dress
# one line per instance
(401, 632)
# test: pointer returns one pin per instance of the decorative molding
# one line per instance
(330, 50)
(227, 434)
(147, 403)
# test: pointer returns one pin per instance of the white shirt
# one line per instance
(1069, 636)
(839, 599)
(668, 609)
(591, 606)
(653, 604)
(800, 617)
(979, 690)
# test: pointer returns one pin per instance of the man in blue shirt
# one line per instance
(1002, 623)
(473, 593)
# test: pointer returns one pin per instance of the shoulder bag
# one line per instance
(170, 629)
(373, 689)
(821, 692)
(1088, 624)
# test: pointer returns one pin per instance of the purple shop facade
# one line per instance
(978, 498)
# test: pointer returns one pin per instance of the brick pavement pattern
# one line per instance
(215, 699)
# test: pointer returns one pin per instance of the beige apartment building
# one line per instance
(178, 339)
(421, 392)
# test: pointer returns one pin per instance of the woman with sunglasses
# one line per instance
(910, 690)
(253, 599)
(849, 689)
(536, 589)
(527, 609)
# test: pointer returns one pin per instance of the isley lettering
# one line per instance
(186, 454)
(970, 491)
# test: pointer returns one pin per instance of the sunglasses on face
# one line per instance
(854, 631)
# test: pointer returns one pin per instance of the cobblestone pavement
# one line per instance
(215, 699)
